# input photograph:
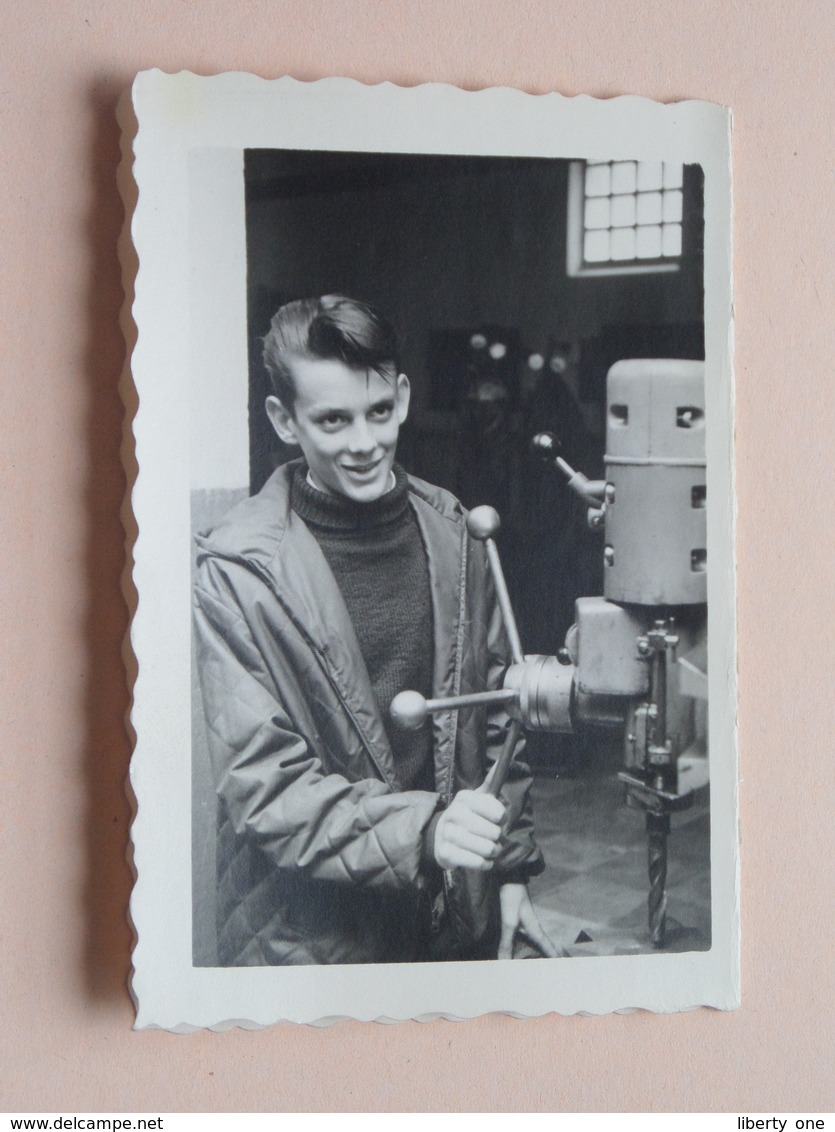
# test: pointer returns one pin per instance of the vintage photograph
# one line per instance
(460, 427)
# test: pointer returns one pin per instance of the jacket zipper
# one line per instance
(448, 875)
(459, 644)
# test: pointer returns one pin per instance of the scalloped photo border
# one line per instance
(174, 125)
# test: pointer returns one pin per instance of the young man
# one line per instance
(341, 583)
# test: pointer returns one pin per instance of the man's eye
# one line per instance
(381, 412)
(331, 422)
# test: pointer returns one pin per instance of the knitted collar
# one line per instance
(337, 513)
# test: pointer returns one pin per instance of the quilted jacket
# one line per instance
(319, 851)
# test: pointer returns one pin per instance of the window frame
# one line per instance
(576, 266)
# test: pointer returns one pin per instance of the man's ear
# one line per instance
(282, 421)
(403, 392)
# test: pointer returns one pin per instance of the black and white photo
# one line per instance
(435, 512)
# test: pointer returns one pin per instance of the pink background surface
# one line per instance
(67, 1044)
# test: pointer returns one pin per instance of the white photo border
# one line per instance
(182, 118)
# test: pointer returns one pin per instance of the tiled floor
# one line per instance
(595, 879)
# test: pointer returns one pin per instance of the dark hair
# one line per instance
(330, 328)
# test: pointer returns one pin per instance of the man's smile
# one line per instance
(362, 469)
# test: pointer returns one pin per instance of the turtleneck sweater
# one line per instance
(377, 556)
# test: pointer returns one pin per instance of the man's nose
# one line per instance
(361, 438)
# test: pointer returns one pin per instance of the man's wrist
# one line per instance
(427, 846)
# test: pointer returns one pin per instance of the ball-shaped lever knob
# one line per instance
(408, 710)
(546, 445)
(483, 522)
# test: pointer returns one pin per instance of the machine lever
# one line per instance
(592, 492)
(410, 710)
(538, 690)
(502, 765)
(483, 523)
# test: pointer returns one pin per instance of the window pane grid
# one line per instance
(633, 211)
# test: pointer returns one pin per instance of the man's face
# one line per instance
(346, 421)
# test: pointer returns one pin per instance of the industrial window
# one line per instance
(624, 217)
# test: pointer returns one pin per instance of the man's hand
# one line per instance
(518, 915)
(467, 834)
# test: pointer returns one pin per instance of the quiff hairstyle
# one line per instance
(330, 328)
